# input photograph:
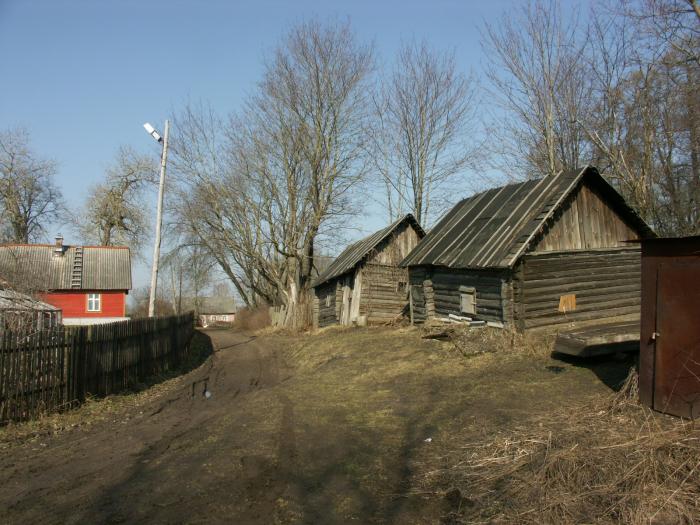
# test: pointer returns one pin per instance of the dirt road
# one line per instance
(336, 440)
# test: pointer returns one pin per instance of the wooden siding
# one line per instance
(373, 246)
(74, 303)
(493, 229)
(395, 248)
(586, 221)
(606, 284)
(383, 298)
(327, 312)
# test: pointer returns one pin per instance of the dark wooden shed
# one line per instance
(537, 253)
(669, 351)
(365, 284)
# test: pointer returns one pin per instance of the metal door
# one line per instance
(677, 340)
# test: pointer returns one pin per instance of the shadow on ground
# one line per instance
(201, 347)
(612, 370)
(339, 427)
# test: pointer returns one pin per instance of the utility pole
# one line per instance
(159, 215)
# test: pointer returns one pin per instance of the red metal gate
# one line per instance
(677, 374)
(669, 375)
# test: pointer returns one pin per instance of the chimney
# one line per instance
(58, 247)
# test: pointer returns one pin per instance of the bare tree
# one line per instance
(665, 26)
(537, 75)
(619, 92)
(115, 211)
(643, 126)
(188, 271)
(29, 199)
(211, 208)
(138, 303)
(259, 194)
(425, 112)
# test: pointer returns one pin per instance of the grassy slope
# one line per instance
(372, 397)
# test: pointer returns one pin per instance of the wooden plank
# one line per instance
(598, 339)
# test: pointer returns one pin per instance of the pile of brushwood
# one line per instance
(611, 462)
(470, 340)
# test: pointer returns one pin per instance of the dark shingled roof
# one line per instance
(493, 229)
(357, 251)
(103, 267)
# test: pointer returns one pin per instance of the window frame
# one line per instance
(96, 299)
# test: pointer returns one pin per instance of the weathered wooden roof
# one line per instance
(494, 228)
(102, 267)
(11, 300)
(357, 251)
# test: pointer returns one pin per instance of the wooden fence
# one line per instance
(58, 368)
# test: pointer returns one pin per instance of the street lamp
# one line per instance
(159, 211)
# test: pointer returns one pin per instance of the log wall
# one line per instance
(489, 287)
(384, 292)
(435, 292)
(606, 284)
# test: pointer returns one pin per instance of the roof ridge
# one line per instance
(493, 228)
(65, 246)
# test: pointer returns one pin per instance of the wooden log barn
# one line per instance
(365, 284)
(538, 253)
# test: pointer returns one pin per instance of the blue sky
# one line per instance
(82, 76)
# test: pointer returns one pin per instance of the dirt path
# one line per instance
(271, 445)
(164, 464)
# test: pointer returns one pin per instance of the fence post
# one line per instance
(80, 354)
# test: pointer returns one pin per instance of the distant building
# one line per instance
(89, 284)
(20, 311)
(216, 310)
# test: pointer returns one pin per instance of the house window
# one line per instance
(467, 300)
(94, 302)
(401, 287)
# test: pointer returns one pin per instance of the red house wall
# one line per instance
(74, 303)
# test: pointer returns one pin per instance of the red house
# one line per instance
(88, 283)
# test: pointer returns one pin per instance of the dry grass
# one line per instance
(613, 461)
(252, 319)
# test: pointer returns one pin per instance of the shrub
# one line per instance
(252, 318)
